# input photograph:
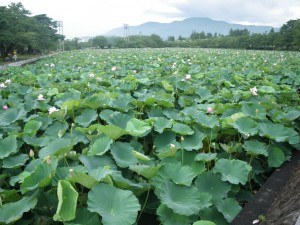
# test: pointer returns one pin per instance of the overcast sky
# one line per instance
(95, 17)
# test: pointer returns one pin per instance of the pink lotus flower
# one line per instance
(5, 107)
(210, 110)
(253, 91)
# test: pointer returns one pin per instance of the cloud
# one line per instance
(260, 12)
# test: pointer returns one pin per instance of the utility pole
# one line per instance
(61, 32)
(126, 33)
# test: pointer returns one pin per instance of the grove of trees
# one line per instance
(287, 38)
(25, 33)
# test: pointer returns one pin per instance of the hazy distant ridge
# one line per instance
(186, 27)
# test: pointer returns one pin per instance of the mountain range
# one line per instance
(186, 27)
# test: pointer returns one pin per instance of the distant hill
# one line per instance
(186, 27)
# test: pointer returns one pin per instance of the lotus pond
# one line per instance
(112, 137)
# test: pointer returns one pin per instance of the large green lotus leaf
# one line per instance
(107, 114)
(70, 105)
(86, 117)
(266, 89)
(96, 102)
(206, 120)
(229, 207)
(67, 201)
(100, 173)
(167, 86)
(15, 161)
(275, 156)
(206, 157)
(246, 125)
(8, 146)
(145, 170)
(100, 146)
(112, 131)
(292, 114)
(40, 177)
(57, 129)
(254, 110)
(255, 147)
(204, 222)
(9, 116)
(123, 155)
(84, 217)
(276, 132)
(193, 142)
(56, 147)
(95, 162)
(211, 183)
(203, 93)
(164, 99)
(82, 178)
(137, 128)
(163, 141)
(182, 85)
(182, 129)
(122, 103)
(77, 136)
(235, 171)
(230, 120)
(123, 183)
(182, 175)
(294, 137)
(114, 205)
(212, 214)
(115, 118)
(168, 217)
(32, 127)
(11, 212)
(183, 200)
(161, 123)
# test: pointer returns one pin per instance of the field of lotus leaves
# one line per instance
(185, 136)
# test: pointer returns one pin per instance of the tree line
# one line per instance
(23, 33)
(287, 38)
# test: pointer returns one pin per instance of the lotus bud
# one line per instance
(210, 110)
(31, 153)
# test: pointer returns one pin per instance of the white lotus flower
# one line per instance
(40, 97)
(52, 110)
(7, 81)
(91, 75)
(2, 85)
(114, 68)
(188, 76)
(253, 91)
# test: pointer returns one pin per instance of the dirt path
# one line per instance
(23, 62)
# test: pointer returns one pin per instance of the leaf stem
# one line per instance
(146, 200)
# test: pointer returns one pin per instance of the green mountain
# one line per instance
(186, 27)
